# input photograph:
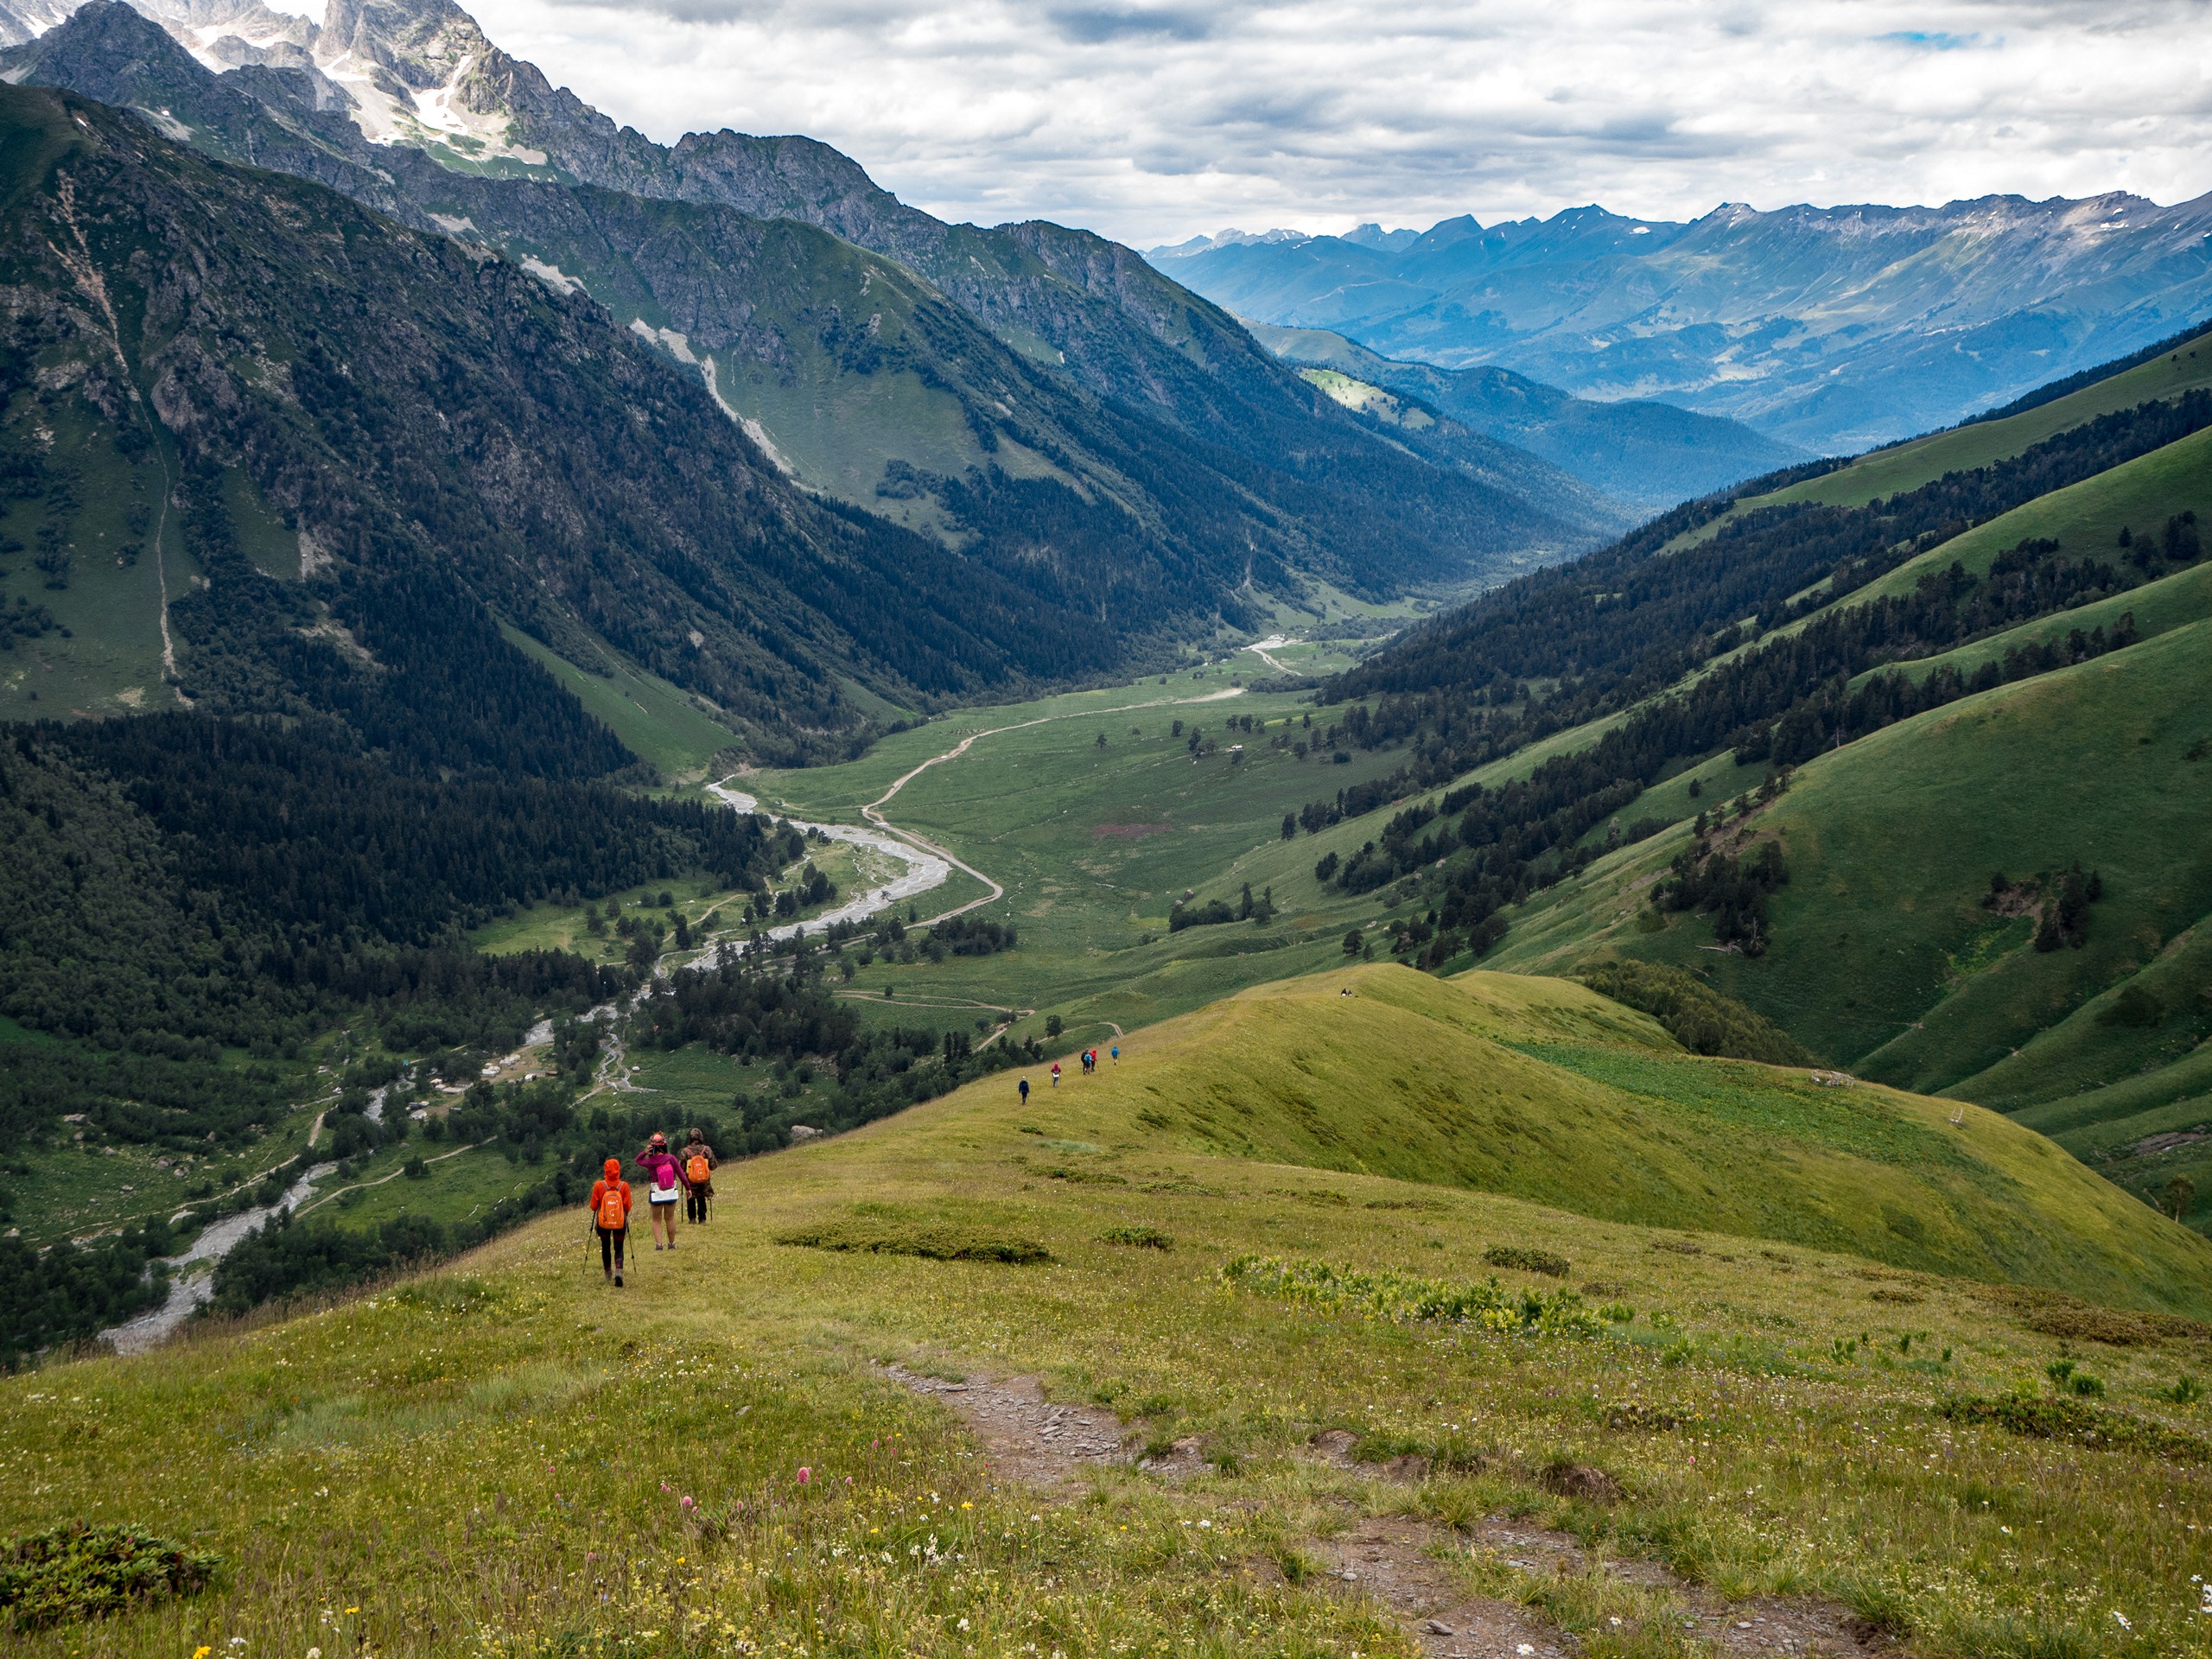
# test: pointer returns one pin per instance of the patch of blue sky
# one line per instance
(1931, 39)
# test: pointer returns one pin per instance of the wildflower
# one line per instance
(351, 1610)
(202, 1651)
(2121, 1619)
(805, 1474)
(963, 1623)
(687, 1502)
(964, 1506)
(314, 1653)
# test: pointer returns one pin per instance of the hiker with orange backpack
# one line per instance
(663, 1173)
(699, 1161)
(610, 1218)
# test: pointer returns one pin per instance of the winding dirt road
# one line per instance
(873, 811)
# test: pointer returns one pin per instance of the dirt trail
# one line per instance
(1030, 1439)
(1398, 1561)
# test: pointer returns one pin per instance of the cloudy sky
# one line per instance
(1153, 120)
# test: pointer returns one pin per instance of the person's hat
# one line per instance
(659, 1140)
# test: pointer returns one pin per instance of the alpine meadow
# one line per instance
(738, 923)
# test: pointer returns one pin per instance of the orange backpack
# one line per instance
(613, 1214)
(698, 1170)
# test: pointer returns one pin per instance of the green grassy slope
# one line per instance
(513, 1413)
(1539, 1088)
(1884, 957)
(105, 654)
(656, 720)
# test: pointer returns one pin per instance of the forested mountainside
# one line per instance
(1831, 328)
(1652, 456)
(364, 446)
(912, 397)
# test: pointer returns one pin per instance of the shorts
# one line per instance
(658, 1196)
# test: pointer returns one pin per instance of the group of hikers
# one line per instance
(687, 1178)
(1088, 1059)
(670, 1178)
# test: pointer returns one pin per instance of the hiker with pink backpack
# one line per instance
(664, 1189)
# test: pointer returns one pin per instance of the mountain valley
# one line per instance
(1345, 1004)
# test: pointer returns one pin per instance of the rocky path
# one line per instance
(1029, 1437)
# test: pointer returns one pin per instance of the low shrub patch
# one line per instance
(934, 1241)
(1086, 1177)
(1401, 1297)
(2057, 1418)
(2054, 1313)
(77, 1571)
(1543, 1261)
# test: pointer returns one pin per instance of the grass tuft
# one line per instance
(1145, 1238)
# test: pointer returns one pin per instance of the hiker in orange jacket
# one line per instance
(610, 1218)
(697, 1168)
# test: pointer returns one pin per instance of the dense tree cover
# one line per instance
(71, 1292)
(325, 843)
(176, 877)
(177, 884)
(973, 935)
(750, 1006)
(430, 684)
(182, 1103)
(1697, 1016)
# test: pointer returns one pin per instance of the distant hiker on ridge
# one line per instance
(610, 1218)
(1024, 1086)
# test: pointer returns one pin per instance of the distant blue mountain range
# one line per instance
(1829, 328)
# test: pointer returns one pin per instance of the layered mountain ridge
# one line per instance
(1831, 328)
(1072, 350)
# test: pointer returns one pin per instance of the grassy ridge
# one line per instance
(512, 1414)
(1542, 1090)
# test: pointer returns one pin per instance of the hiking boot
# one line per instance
(618, 1282)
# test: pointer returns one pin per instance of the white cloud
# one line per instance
(1152, 119)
